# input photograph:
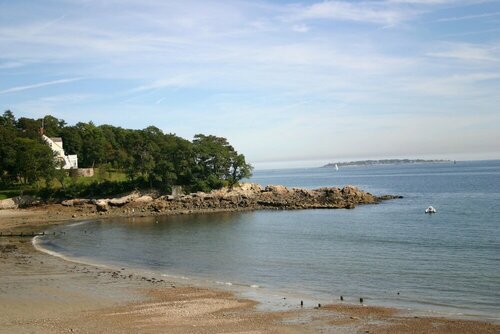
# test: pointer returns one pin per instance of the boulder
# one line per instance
(247, 189)
(121, 201)
(101, 205)
(350, 190)
(8, 203)
(144, 199)
(75, 202)
(277, 189)
(251, 187)
(387, 197)
(26, 201)
(19, 202)
(68, 202)
(306, 192)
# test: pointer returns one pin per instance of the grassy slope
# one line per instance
(7, 193)
(115, 176)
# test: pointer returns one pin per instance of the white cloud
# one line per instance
(469, 52)
(174, 81)
(11, 64)
(38, 85)
(369, 12)
(300, 28)
(438, 2)
(464, 86)
(467, 17)
(159, 100)
(423, 2)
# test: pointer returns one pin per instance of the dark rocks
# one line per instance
(388, 197)
(7, 248)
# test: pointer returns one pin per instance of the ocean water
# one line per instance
(389, 254)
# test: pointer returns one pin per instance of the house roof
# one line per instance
(56, 139)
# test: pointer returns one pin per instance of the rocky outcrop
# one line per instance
(254, 197)
(247, 196)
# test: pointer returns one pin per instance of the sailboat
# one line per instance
(336, 167)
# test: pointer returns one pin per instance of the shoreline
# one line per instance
(274, 299)
(141, 304)
(336, 318)
(244, 197)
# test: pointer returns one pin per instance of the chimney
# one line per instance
(42, 130)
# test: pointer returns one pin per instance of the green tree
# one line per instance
(93, 145)
(7, 120)
(34, 161)
(240, 169)
(212, 156)
(72, 139)
(217, 163)
(143, 152)
(52, 126)
(164, 174)
(7, 152)
(29, 127)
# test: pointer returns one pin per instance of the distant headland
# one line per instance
(381, 162)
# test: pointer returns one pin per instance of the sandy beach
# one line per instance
(40, 293)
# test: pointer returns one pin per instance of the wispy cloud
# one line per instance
(423, 2)
(467, 17)
(159, 100)
(469, 52)
(11, 64)
(301, 28)
(470, 33)
(175, 81)
(454, 86)
(368, 12)
(439, 2)
(38, 85)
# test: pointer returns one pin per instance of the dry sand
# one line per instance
(40, 293)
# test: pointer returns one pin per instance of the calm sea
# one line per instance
(389, 254)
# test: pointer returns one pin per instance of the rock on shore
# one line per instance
(18, 202)
(249, 196)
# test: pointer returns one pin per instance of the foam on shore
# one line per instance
(37, 244)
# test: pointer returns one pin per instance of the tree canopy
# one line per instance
(160, 159)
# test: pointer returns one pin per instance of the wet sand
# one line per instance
(40, 293)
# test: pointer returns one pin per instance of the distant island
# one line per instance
(381, 162)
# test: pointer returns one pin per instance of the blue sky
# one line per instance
(288, 83)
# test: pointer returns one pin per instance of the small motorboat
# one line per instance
(430, 209)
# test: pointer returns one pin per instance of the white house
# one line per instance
(56, 144)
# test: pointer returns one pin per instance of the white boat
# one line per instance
(430, 209)
(336, 167)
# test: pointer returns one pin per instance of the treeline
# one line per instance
(382, 162)
(147, 156)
